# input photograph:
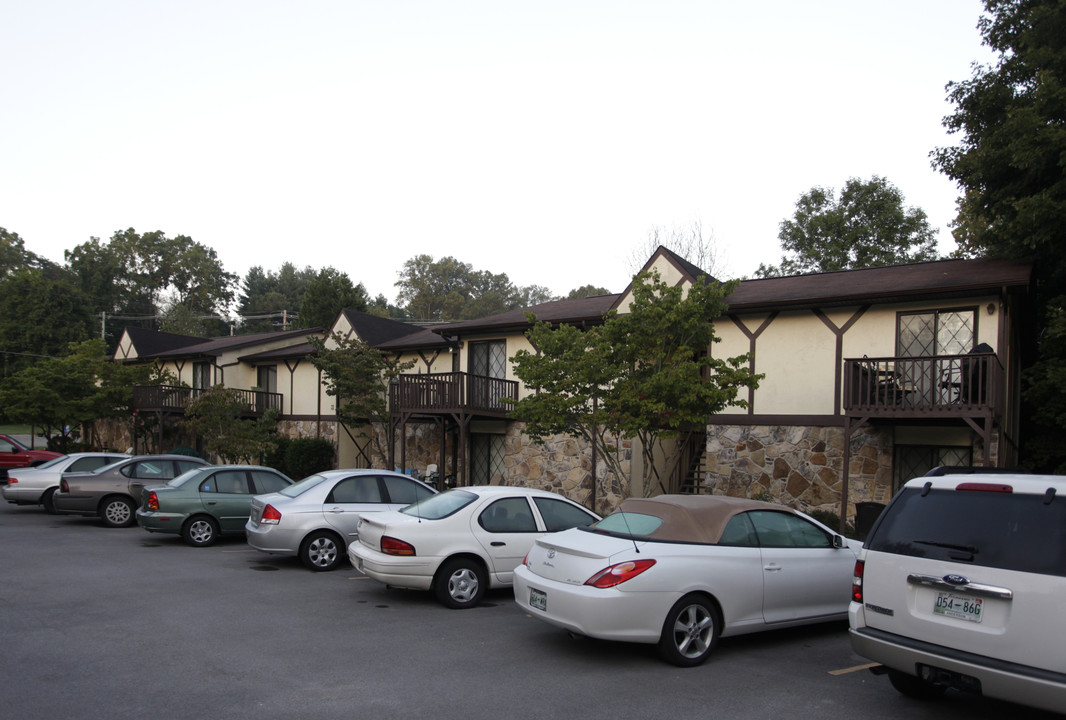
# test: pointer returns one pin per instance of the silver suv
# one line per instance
(961, 583)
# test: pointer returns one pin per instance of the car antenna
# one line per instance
(636, 548)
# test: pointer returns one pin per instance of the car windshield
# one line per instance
(53, 461)
(440, 506)
(626, 523)
(299, 488)
(186, 476)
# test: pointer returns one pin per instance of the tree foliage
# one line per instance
(1011, 165)
(447, 289)
(142, 274)
(868, 225)
(647, 374)
(73, 390)
(217, 416)
(358, 376)
(266, 293)
(329, 292)
(689, 242)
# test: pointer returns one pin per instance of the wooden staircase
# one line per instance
(693, 466)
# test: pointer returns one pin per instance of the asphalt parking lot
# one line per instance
(102, 623)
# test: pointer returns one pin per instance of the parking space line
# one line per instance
(845, 671)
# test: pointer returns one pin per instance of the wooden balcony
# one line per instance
(454, 392)
(174, 399)
(942, 386)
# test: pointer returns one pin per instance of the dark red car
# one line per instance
(14, 454)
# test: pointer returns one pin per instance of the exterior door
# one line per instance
(506, 529)
(227, 495)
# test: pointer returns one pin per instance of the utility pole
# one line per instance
(103, 325)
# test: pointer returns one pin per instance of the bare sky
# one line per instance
(542, 139)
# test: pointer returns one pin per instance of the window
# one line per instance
(779, 529)
(404, 491)
(88, 464)
(267, 378)
(937, 332)
(486, 459)
(489, 358)
(625, 523)
(508, 515)
(7, 447)
(201, 376)
(151, 470)
(266, 482)
(356, 489)
(739, 532)
(234, 482)
(913, 461)
(561, 515)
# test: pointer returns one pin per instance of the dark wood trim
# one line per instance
(839, 333)
(752, 419)
(752, 340)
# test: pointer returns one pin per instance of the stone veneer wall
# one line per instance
(563, 465)
(799, 466)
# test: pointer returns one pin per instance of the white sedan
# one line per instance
(683, 570)
(37, 485)
(462, 541)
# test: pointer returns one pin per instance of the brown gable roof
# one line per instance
(375, 330)
(917, 281)
(590, 309)
(213, 347)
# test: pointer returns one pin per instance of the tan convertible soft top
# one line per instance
(694, 518)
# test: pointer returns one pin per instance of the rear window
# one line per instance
(1010, 531)
(626, 523)
(440, 506)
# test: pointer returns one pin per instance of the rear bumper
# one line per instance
(1009, 681)
(76, 505)
(155, 521)
(274, 539)
(412, 572)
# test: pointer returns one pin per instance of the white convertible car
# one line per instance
(462, 541)
(684, 570)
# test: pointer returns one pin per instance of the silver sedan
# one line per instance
(316, 518)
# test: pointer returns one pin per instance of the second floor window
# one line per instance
(489, 358)
(936, 332)
(267, 378)
(201, 375)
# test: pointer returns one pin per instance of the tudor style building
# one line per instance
(871, 377)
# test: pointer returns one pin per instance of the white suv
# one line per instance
(962, 583)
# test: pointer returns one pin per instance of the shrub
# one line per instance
(301, 457)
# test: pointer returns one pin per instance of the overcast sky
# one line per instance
(541, 139)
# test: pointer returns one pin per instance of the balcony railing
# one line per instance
(172, 398)
(453, 392)
(938, 386)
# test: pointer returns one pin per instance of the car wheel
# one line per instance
(690, 631)
(321, 551)
(461, 583)
(48, 502)
(915, 687)
(117, 512)
(200, 531)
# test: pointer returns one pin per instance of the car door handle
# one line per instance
(211, 502)
(497, 543)
(336, 510)
(772, 568)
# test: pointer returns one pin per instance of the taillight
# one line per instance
(11, 480)
(271, 516)
(985, 487)
(619, 573)
(392, 546)
(153, 501)
(856, 581)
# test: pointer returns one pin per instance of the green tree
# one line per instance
(140, 274)
(217, 416)
(268, 298)
(586, 291)
(646, 374)
(1011, 166)
(14, 256)
(41, 311)
(358, 376)
(326, 295)
(868, 225)
(73, 390)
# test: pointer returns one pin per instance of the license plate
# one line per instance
(538, 599)
(958, 606)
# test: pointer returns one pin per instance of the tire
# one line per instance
(461, 583)
(690, 631)
(914, 687)
(117, 512)
(200, 531)
(47, 502)
(322, 551)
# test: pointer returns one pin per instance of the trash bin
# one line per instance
(866, 514)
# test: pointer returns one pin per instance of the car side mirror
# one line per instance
(840, 542)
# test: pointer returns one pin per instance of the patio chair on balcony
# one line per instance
(965, 382)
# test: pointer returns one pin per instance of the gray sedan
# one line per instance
(317, 517)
